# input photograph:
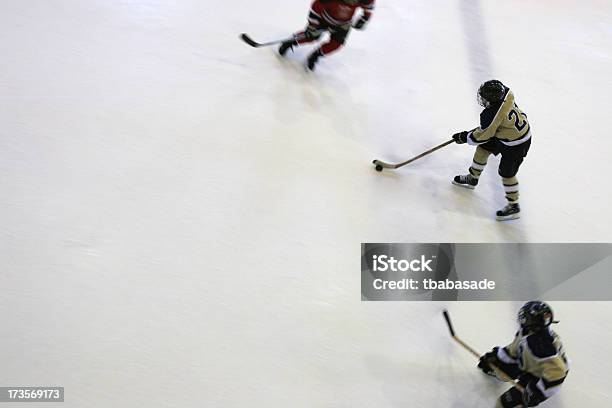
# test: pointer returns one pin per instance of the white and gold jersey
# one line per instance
(540, 354)
(503, 121)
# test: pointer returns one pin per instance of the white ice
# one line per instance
(181, 214)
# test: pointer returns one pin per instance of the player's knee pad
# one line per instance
(507, 173)
(339, 36)
(508, 170)
(509, 165)
(340, 41)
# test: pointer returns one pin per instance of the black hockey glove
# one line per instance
(532, 396)
(490, 357)
(361, 23)
(461, 137)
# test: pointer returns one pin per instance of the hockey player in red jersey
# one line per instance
(334, 16)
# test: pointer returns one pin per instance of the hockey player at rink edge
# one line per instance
(334, 16)
(504, 130)
(535, 357)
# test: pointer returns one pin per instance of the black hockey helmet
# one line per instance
(491, 92)
(535, 315)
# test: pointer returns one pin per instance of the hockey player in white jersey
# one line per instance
(504, 129)
(535, 358)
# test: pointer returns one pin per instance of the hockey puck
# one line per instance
(379, 167)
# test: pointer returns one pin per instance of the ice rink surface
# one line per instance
(181, 214)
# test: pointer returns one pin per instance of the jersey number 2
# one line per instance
(519, 123)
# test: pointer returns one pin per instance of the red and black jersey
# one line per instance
(338, 12)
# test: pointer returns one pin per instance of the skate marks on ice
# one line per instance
(476, 42)
(405, 382)
(408, 372)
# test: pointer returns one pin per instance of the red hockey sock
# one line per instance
(303, 40)
(330, 47)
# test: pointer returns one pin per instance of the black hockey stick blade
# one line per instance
(384, 165)
(449, 323)
(244, 37)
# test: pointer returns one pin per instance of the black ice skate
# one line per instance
(466, 180)
(511, 211)
(286, 46)
(312, 60)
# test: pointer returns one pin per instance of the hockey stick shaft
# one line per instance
(397, 166)
(500, 373)
(245, 37)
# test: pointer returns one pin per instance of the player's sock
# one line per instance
(511, 187)
(479, 161)
(331, 46)
(476, 168)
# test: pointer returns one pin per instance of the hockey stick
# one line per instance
(245, 37)
(380, 164)
(500, 373)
